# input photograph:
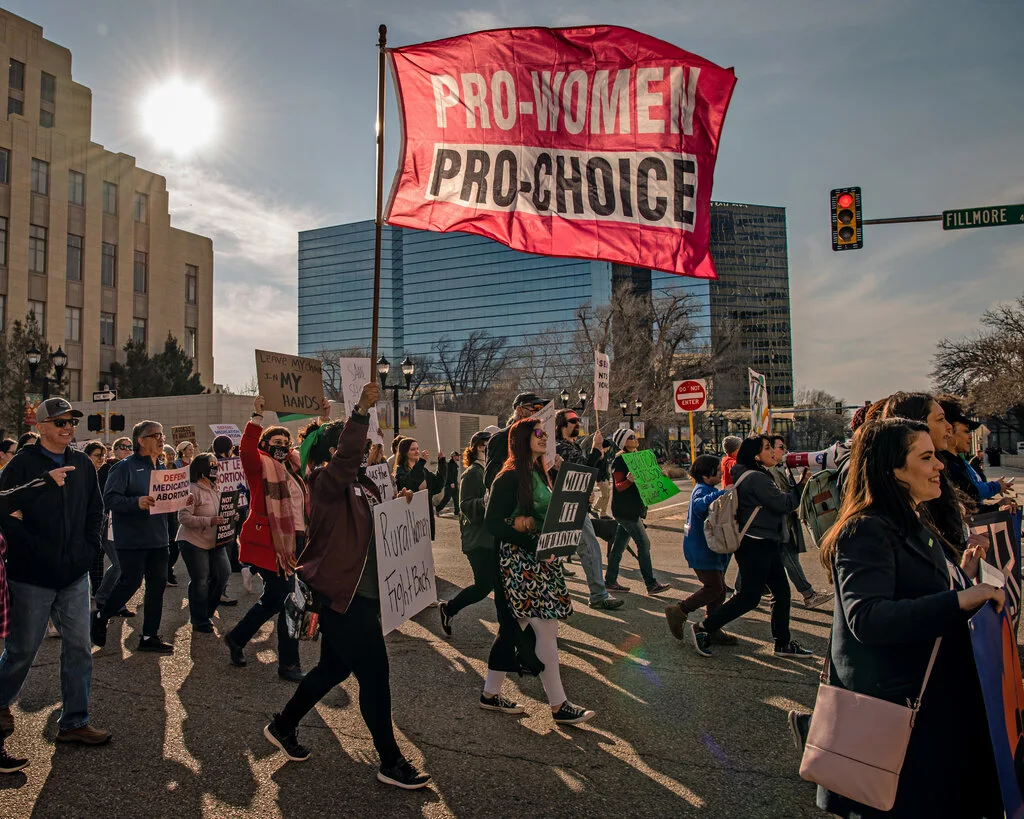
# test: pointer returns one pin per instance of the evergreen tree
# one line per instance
(170, 372)
(15, 382)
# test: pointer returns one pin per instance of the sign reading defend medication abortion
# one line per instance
(405, 559)
(169, 487)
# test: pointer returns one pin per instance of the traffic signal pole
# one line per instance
(899, 220)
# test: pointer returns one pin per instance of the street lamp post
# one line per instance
(581, 407)
(58, 359)
(383, 368)
(638, 405)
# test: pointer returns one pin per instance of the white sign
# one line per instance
(760, 418)
(547, 416)
(405, 560)
(105, 395)
(602, 381)
(231, 430)
(355, 374)
(380, 474)
(690, 395)
(170, 489)
(231, 477)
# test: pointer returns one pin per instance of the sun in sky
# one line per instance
(179, 116)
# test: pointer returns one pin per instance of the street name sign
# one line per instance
(106, 395)
(990, 216)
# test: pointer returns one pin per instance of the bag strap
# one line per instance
(750, 520)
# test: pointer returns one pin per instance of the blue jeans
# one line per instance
(589, 552)
(208, 572)
(631, 529)
(31, 607)
(110, 576)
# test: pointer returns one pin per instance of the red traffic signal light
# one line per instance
(847, 232)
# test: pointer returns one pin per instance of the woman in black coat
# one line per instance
(411, 473)
(896, 593)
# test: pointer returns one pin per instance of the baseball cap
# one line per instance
(955, 414)
(527, 398)
(52, 407)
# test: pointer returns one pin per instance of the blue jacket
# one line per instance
(986, 489)
(695, 545)
(134, 528)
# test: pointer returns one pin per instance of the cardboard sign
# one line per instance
(994, 529)
(170, 488)
(654, 487)
(547, 415)
(355, 373)
(231, 430)
(185, 432)
(380, 474)
(290, 384)
(405, 559)
(570, 502)
(602, 381)
(760, 416)
(998, 663)
(226, 532)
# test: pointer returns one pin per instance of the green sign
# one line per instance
(990, 216)
(650, 480)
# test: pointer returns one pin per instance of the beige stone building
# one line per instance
(86, 242)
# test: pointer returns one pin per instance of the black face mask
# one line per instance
(279, 453)
(212, 475)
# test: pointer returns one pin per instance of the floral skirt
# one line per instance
(533, 587)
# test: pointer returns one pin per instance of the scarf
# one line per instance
(276, 493)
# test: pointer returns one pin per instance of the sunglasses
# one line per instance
(60, 423)
(123, 446)
(540, 433)
(572, 420)
(154, 435)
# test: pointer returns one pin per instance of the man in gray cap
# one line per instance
(50, 548)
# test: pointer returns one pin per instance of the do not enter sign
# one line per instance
(690, 396)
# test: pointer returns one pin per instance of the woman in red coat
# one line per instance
(272, 535)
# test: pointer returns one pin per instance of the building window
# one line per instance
(17, 76)
(74, 385)
(37, 311)
(36, 249)
(76, 188)
(110, 198)
(47, 88)
(107, 329)
(3, 241)
(140, 272)
(108, 266)
(191, 283)
(74, 271)
(5, 166)
(15, 106)
(139, 330)
(46, 118)
(191, 342)
(73, 323)
(141, 207)
(40, 177)
(3, 312)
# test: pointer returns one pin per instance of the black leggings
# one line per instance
(480, 561)
(351, 643)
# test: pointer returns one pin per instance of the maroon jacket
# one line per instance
(340, 520)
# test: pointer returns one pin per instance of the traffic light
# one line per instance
(847, 230)
(116, 422)
(95, 422)
(839, 407)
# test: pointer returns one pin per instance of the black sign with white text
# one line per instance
(570, 502)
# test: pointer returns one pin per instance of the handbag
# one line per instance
(301, 612)
(856, 744)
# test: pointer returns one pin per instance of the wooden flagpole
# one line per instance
(379, 221)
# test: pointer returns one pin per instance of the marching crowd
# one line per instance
(80, 542)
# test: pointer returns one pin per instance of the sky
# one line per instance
(921, 104)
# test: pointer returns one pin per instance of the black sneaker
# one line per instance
(658, 588)
(125, 613)
(403, 775)
(446, 621)
(235, 650)
(569, 714)
(155, 644)
(11, 764)
(608, 603)
(171, 579)
(793, 649)
(700, 639)
(499, 703)
(98, 630)
(799, 727)
(292, 673)
(722, 638)
(203, 628)
(288, 743)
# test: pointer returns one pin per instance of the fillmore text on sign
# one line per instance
(992, 216)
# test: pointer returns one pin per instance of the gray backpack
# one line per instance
(721, 529)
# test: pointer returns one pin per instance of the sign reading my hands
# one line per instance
(290, 384)
(651, 482)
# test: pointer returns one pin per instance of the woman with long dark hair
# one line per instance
(411, 473)
(897, 592)
(761, 516)
(535, 589)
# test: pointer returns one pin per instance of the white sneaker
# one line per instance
(247, 579)
(815, 599)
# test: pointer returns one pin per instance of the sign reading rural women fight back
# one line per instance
(405, 560)
(651, 482)
(596, 142)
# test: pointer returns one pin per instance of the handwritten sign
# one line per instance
(380, 474)
(993, 529)
(547, 416)
(185, 432)
(405, 560)
(170, 488)
(231, 430)
(355, 373)
(226, 531)
(654, 487)
(602, 380)
(231, 478)
(291, 385)
(570, 501)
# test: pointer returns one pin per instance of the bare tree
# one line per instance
(470, 369)
(815, 430)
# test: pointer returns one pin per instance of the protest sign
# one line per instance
(651, 482)
(602, 381)
(547, 416)
(231, 478)
(231, 430)
(570, 502)
(405, 560)
(760, 417)
(290, 385)
(994, 530)
(169, 487)
(355, 374)
(380, 474)
(185, 432)
(229, 511)
(496, 123)
(998, 664)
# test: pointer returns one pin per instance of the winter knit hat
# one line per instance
(619, 437)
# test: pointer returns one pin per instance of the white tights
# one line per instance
(547, 653)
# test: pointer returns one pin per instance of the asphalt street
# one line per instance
(675, 734)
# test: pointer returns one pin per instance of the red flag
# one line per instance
(597, 143)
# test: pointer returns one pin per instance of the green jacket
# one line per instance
(471, 510)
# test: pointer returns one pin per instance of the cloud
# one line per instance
(247, 317)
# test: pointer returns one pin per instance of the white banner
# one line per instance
(602, 381)
(231, 478)
(355, 374)
(170, 489)
(405, 560)
(547, 415)
(380, 474)
(231, 430)
(760, 419)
